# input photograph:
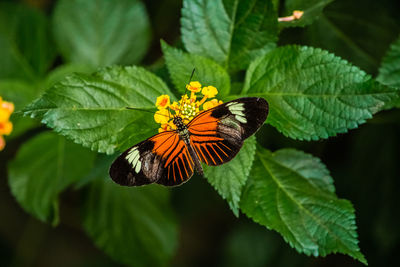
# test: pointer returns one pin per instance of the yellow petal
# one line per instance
(7, 106)
(174, 106)
(210, 104)
(194, 86)
(163, 101)
(162, 116)
(4, 115)
(209, 91)
(6, 128)
(2, 143)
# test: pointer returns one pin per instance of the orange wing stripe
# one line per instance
(226, 146)
(163, 143)
(191, 163)
(173, 168)
(208, 152)
(184, 167)
(179, 168)
(217, 145)
(175, 151)
(216, 153)
(198, 148)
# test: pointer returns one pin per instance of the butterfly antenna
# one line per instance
(190, 79)
(145, 110)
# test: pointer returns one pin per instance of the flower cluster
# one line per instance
(186, 108)
(6, 108)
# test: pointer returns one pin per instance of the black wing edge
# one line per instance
(122, 172)
(255, 111)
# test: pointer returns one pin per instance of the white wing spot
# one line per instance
(237, 110)
(133, 158)
(241, 119)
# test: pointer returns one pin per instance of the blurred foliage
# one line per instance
(69, 64)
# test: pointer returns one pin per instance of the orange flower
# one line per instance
(187, 107)
(210, 104)
(2, 143)
(194, 87)
(162, 101)
(6, 108)
(5, 128)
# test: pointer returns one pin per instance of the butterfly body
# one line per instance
(213, 137)
(184, 134)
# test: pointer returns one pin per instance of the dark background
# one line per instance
(365, 165)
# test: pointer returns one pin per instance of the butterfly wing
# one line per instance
(162, 159)
(217, 134)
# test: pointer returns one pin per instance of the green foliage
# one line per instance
(314, 94)
(250, 246)
(307, 166)
(135, 226)
(389, 72)
(42, 169)
(20, 93)
(91, 109)
(350, 30)
(230, 178)
(311, 8)
(232, 32)
(26, 49)
(207, 71)
(309, 217)
(86, 31)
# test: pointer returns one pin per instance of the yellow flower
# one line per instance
(209, 91)
(5, 128)
(194, 87)
(162, 116)
(186, 108)
(163, 128)
(162, 101)
(7, 105)
(210, 104)
(167, 127)
(2, 143)
(6, 108)
(174, 106)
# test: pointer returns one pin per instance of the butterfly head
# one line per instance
(177, 120)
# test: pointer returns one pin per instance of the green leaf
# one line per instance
(348, 29)
(232, 32)
(208, 72)
(26, 49)
(312, 220)
(308, 166)
(62, 71)
(101, 32)
(134, 226)
(312, 9)
(20, 94)
(42, 169)
(314, 94)
(230, 178)
(91, 109)
(389, 72)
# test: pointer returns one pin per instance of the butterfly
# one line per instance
(213, 137)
